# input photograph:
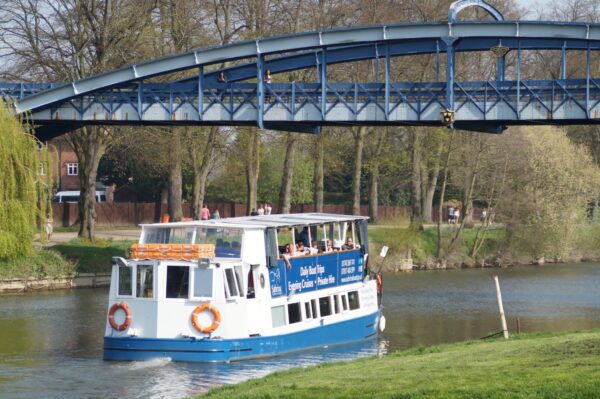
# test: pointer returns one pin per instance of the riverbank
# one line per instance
(73, 264)
(549, 365)
(411, 249)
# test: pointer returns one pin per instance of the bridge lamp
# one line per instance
(500, 51)
(447, 117)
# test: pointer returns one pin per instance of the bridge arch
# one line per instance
(460, 5)
(128, 96)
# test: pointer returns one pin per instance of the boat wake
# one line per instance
(146, 364)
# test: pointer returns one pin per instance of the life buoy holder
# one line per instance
(216, 315)
(111, 316)
(379, 280)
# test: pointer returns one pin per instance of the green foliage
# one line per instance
(422, 243)
(89, 258)
(40, 264)
(23, 194)
(551, 183)
(531, 366)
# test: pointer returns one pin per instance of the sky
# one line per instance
(533, 5)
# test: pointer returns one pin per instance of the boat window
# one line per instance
(307, 309)
(231, 283)
(240, 280)
(125, 277)
(177, 281)
(336, 305)
(278, 316)
(227, 241)
(203, 282)
(344, 302)
(286, 242)
(271, 247)
(168, 235)
(313, 305)
(144, 281)
(294, 313)
(251, 290)
(353, 299)
(325, 306)
(334, 234)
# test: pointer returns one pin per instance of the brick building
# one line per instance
(65, 168)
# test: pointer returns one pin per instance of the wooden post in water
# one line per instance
(499, 296)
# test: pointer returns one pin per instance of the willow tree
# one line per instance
(23, 195)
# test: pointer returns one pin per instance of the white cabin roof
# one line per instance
(266, 221)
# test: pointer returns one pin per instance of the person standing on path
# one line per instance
(49, 227)
(204, 213)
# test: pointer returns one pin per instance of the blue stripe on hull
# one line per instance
(222, 350)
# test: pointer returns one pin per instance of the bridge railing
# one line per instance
(298, 100)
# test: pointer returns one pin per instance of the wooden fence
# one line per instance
(134, 213)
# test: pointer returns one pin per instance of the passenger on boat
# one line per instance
(328, 247)
(349, 245)
(303, 236)
(314, 247)
(289, 251)
(302, 250)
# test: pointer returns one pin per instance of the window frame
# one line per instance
(193, 271)
(133, 282)
(357, 300)
(299, 305)
(328, 299)
(164, 293)
(71, 165)
(154, 294)
(228, 295)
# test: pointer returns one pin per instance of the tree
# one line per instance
(549, 185)
(23, 190)
(65, 40)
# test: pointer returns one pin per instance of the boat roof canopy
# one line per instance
(266, 221)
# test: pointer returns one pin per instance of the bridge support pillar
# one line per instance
(450, 72)
(260, 90)
(323, 79)
(500, 52)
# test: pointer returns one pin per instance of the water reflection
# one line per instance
(51, 343)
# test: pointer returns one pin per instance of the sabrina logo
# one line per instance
(275, 277)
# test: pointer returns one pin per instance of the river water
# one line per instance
(51, 342)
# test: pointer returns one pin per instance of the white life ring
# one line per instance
(381, 323)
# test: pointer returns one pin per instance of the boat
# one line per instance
(244, 287)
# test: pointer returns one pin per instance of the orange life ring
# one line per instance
(379, 280)
(111, 316)
(201, 308)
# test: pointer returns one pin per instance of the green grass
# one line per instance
(43, 263)
(423, 244)
(90, 258)
(564, 365)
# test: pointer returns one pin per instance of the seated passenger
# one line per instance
(219, 242)
(287, 253)
(328, 247)
(349, 245)
(337, 245)
(302, 250)
(314, 247)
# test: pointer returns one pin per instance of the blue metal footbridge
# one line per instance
(132, 96)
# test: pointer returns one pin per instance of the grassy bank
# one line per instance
(565, 365)
(422, 244)
(92, 258)
(42, 263)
